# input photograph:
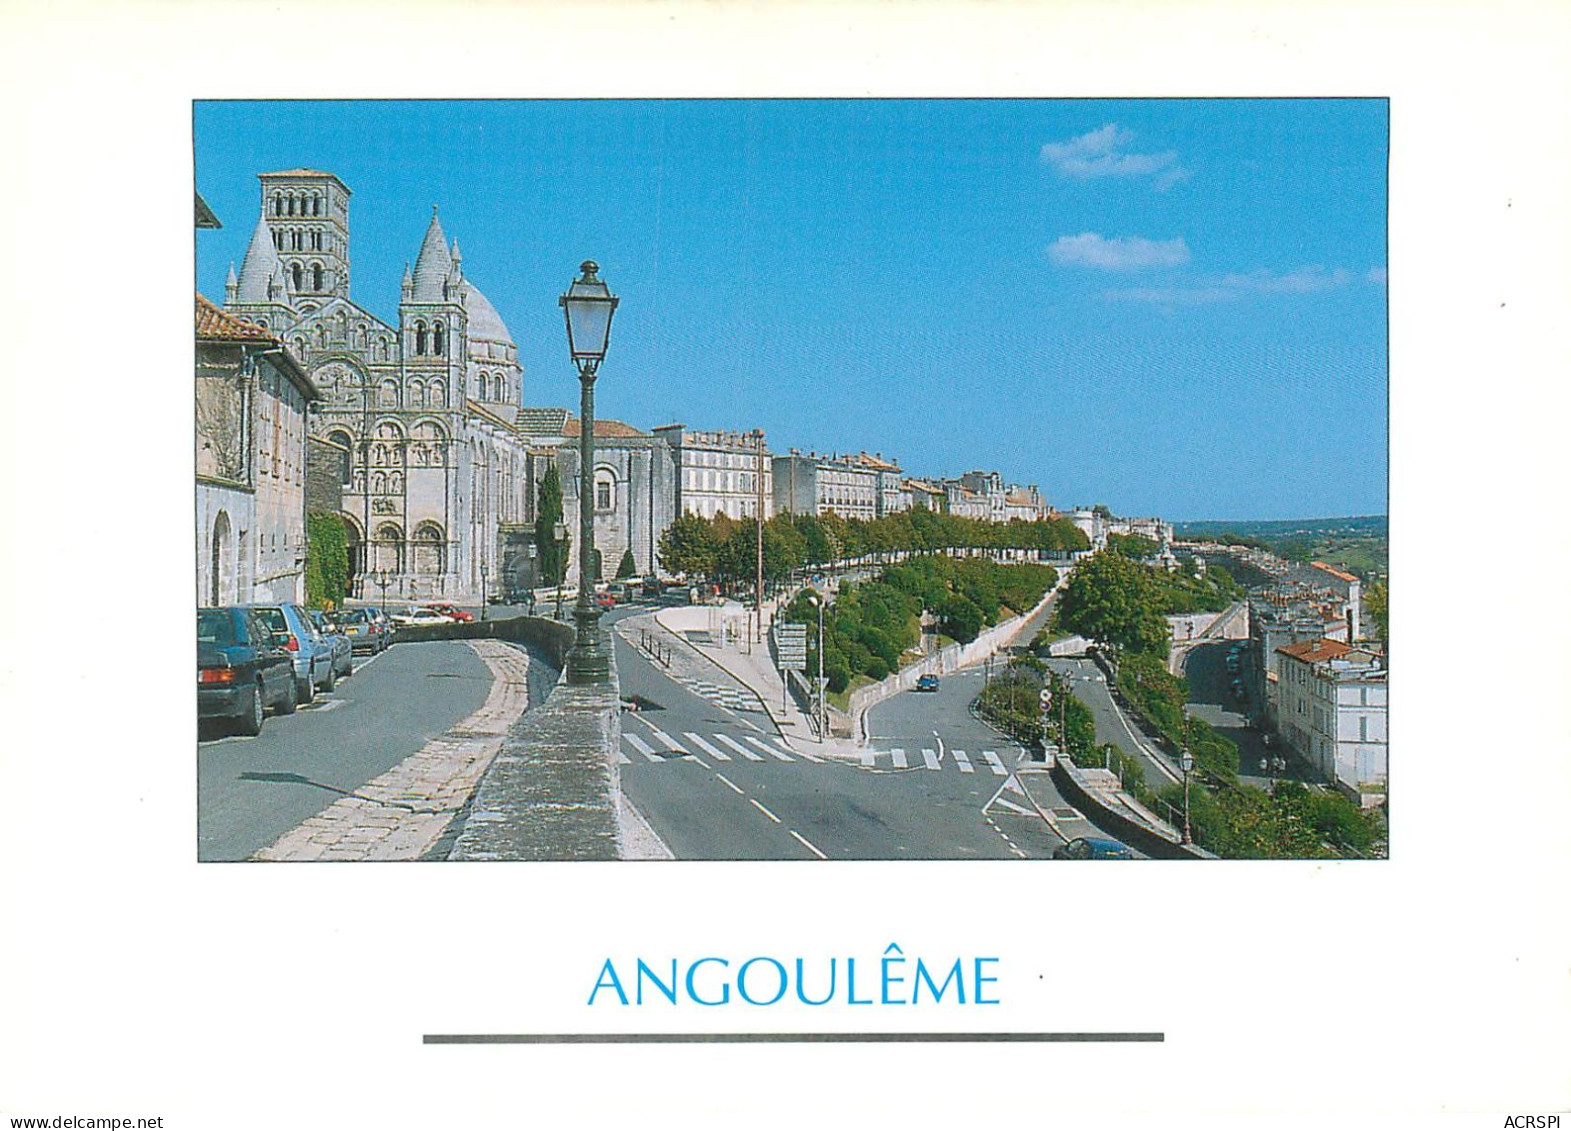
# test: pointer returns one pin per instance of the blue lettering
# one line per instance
(885, 980)
(669, 992)
(725, 987)
(851, 998)
(976, 996)
(741, 981)
(801, 985)
(608, 971)
(956, 975)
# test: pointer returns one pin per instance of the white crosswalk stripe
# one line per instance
(705, 747)
(665, 739)
(963, 762)
(994, 764)
(642, 747)
(622, 758)
(930, 759)
(869, 758)
(767, 749)
(898, 756)
(739, 748)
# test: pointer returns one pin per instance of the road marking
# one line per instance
(754, 802)
(730, 783)
(994, 764)
(622, 758)
(738, 747)
(1005, 803)
(963, 762)
(869, 757)
(781, 754)
(807, 844)
(899, 757)
(705, 747)
(664, 739)
(803, 754)
(642, 747)
(931, 759)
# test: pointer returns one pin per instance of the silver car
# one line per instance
(312, 655)
(343, 647)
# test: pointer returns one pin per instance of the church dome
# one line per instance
(485, 324)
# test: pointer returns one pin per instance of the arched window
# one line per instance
(430, 549)
(316, 206)
(295, 274)
(278, 239)
(388, 549)
(278, 204)
(388, 395)
(316, 276)
(381, 349)
(395, 483)
(605, 489)
(223, 559)
(346, 460)
(419, 338)
(417, 393)
(291, 205)
(482, 386)
(436, 338)
(378, 483)
(438, 394)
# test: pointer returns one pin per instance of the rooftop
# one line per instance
(1315, 651)
(608, 429)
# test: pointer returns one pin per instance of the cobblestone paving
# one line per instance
(400, 814)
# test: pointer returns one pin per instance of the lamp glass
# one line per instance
(589, 305)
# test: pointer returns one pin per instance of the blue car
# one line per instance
(312, 653)
(927, 683)
(241, 669)
(1093, 848)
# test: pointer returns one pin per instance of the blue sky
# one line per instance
(1175, 307)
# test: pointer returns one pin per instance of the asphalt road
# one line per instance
(717, 785)
(250, 791)
(1211, 699)
(1089, 685)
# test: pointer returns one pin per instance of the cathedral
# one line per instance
(440, 465)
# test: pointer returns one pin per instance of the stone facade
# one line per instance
(635, 479)
(251, 463)
(815, 484)
(718, 472)
(425, 408)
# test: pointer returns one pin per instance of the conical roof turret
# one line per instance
(433, 264)
(260, 264)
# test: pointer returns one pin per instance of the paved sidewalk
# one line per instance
(400, 814)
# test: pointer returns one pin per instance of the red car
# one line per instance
(451, 611)
(605, 600)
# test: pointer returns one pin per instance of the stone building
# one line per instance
(425, 408)
(718, 472)
(815, 484)
(251, 462)
(635, 498)
(1333, 712)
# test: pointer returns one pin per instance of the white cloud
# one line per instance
(1231, 288)
(1123, 253)
(1103, 153)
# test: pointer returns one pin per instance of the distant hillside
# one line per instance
(1367, 526)
(1359, 544)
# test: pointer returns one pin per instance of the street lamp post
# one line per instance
(588, 306)
(558, 532)
(823, 710)
(1186, 762)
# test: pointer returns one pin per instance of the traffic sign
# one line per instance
(1045, 698)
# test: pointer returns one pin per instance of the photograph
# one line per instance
(949, 491)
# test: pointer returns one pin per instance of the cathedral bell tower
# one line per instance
(307, 216)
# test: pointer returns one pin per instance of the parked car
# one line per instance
(451, 612)
(1093, 848)
(242, 668)
(385, 619)
(364, 631)
(605, 601)
(313, 655)
(927, 683)
(343, 648)
(418, 616)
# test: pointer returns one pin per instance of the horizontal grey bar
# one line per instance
(781, 1038)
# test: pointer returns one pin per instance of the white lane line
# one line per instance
(767, 749)
(930, 759)
(642, 747)
(807, 844)
(738, 747)
(754, 802)
(704, 746)
(736, 788)
(899, 757)
(622, 758)
(963, 762)
(869, 757)
(1005, 803)
(664, 739)
(994, 763)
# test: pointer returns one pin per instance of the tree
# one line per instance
(552, 554)
(627, 567)
(1136, 546)
(326, 560)
(1377, 600)
(687, 547)
(1113, 599)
